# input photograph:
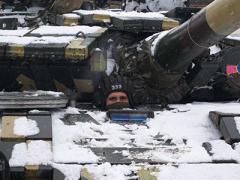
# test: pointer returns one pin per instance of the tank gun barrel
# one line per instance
(175, 51)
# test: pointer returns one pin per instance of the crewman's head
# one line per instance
(113, 92)
(117, 99)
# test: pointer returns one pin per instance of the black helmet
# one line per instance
(109, 84)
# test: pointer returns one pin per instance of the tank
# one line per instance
(71, 52)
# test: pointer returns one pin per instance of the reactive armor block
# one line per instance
(143, 24)
(45, 51)
(226, 123)
(8, 23)
(127, 23)
(79, 49)
(72, 119)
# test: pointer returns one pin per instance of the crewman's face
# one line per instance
(116, 98)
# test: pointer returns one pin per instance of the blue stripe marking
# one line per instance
(129, 117)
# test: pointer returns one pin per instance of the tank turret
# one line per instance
(175, 51)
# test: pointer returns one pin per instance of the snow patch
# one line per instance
(18, 32)
(19, 154)
(126, 153)
(67, 30)
(51, 39)
(65, 149)
(71, 15)
(196, 154)
(16, 40)
(35, 40)
(223, 151)
(35, 111)
(122, 13)
(235, 35)
(237, 121)
(44, 93)
(214, 49)
(72, 110)
(200, 172)
(25, 127)
(33, 153)
(39, 152)
(159, 37)
(111, 64)
(74, 154)
(158, 155)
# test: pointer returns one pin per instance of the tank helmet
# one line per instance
(111, 85)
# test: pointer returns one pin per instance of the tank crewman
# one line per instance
(113, 92)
